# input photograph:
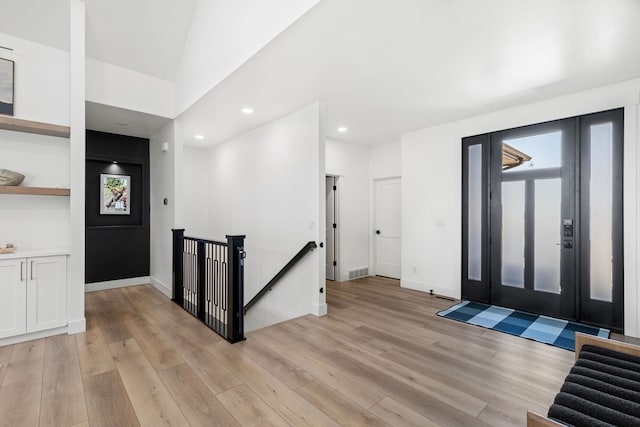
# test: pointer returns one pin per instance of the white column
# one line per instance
(75, 294)
(319, 300)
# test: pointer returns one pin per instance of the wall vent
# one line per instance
(358, 272)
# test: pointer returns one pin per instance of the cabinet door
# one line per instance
(46, 293)
(13, 297)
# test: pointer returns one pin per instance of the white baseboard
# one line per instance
(424, 287)
(33, 336)
(114, 284)
(77, 326)
(319, 309)
(166, 290)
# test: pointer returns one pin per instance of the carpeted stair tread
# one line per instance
(595, 396)
(595, 410)
(608, 369)
(573, 418)
(610, 357)
(605, 387)
(609, 379)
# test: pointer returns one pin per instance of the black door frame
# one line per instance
(584, 309)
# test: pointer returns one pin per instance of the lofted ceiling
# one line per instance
(386, 67)
(146, 36)
(41, 21)
(382, 67)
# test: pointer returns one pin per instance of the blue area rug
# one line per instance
(557, 332)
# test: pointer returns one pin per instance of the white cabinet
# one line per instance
(13, 300)
(46, 292)
(34, 294)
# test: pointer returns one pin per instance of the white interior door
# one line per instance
(330, 231)
(387, 227)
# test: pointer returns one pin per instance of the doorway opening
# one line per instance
(542, 219)
(331, 230)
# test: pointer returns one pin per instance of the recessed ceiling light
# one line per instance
(247, 110)
(115, 162)
(198, 136)
(342, 129)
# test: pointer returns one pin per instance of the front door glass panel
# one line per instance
(475, 213)
(601, 212)
(547, 247)
(513, 209)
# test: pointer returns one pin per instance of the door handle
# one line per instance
(377, 231)
(21, 271)
(31, 270)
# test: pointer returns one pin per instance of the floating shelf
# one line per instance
(20, 125)
(41, 191)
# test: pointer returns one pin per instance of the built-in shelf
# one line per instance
(42, 191)
(20, 125)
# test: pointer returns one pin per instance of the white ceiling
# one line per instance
(42, 21)
(106, 118)
(384, 67)
(147, 36)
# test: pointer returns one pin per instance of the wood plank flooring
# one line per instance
(381, 357)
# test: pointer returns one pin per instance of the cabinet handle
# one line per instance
(31, 270)
(21, 271)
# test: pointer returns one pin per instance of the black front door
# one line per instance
(542, 218)
(532, 215)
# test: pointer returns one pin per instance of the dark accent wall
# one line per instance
(117, 246)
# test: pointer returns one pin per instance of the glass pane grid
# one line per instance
(533, 152)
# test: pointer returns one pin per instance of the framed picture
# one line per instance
(115, 194)
(6, 87)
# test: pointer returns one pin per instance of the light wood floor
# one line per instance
(381, 357)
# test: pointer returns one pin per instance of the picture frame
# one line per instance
(115, 194)
(7, 68)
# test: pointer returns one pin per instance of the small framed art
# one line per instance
(115, 194)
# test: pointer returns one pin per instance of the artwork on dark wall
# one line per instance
(115, 194)
(6, 86)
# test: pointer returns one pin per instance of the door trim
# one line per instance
(337, 275)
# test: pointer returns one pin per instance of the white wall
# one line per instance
(385, 160)
(267, 184)
(164, 182)
(351, 163)
(32, 222)
(224, 35)
(196, 192)
(111, 85)
(431, 193)
(42, 86)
